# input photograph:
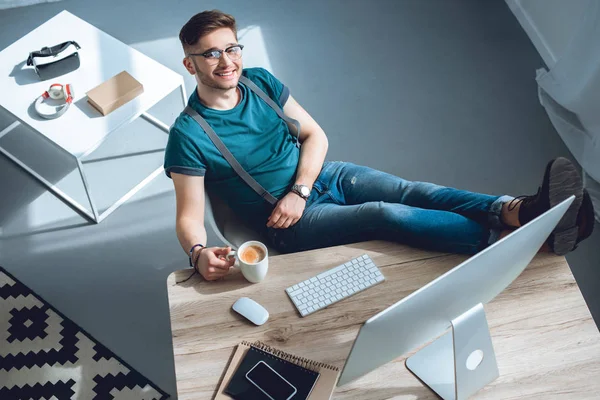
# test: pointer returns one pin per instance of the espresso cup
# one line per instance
(252, 258)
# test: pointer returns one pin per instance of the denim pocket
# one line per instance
(328, 171)
(320, 187)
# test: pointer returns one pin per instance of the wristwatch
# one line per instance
(301, 190)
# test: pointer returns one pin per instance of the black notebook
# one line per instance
(240, 388)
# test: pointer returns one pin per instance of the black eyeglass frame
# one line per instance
(216, 54)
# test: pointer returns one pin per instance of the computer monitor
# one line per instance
(454, 300)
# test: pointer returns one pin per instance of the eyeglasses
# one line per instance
(212, 57)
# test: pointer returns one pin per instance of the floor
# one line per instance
(435, 91)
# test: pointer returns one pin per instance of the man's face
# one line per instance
(218, 74)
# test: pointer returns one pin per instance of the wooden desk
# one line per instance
(547, 345)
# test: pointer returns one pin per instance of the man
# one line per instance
(322, 204)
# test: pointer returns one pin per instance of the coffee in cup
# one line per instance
(252, 254)
(252, 260)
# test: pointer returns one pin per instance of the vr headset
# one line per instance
(51, 62)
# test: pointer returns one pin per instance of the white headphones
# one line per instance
(57, 92)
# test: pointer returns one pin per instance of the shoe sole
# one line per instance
(587, 210)
(563, 183)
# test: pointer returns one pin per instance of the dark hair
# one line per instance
(204, 23)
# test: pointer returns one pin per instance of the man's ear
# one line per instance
(189, 65)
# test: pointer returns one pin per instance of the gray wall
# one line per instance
(429, 90)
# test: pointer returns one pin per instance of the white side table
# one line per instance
(82, 129)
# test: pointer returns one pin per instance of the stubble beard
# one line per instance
(208, 81)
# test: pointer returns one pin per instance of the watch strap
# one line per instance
(297, 189)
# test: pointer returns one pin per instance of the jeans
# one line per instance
(350, 203)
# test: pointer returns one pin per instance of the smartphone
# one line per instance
(273, 385)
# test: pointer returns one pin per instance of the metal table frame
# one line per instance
(93, 215)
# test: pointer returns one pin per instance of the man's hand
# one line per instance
(287, 212)
(212, 262)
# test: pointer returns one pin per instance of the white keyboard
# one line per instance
(335, 284)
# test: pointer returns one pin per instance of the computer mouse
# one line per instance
(251, 310)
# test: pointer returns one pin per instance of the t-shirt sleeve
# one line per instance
(270, 84)
(182, 156)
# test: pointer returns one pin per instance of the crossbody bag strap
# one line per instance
(250, 181)
(260, 93)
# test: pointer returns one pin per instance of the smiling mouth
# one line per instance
(224, 73)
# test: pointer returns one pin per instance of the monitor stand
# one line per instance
(458, 350)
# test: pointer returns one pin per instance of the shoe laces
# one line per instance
(524, 200)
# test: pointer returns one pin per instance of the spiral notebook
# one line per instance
(326, 376)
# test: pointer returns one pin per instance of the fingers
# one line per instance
(279, 223)
(222, 251)
(222, 254)
(217, 268)
(288, 211)
(294, 220)
(286, 222)
(281, 220)
(274, 218)
(230, 261)
(219, 262)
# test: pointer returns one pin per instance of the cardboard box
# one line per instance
(113, 93)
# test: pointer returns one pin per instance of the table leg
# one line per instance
(9, 128)
(87, 190)
(156, 122)
(159, 124)
(93, 217)
(65, 198)
(184, 97)
(129, 194)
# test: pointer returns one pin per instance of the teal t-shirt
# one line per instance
(255, 135)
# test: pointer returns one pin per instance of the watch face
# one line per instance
(305, 191)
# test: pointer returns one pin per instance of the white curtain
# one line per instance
(570, 93)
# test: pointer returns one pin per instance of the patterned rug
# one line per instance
(44, 355)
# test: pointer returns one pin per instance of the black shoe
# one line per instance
(585, 218)
(585, 222)
(561, 180)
